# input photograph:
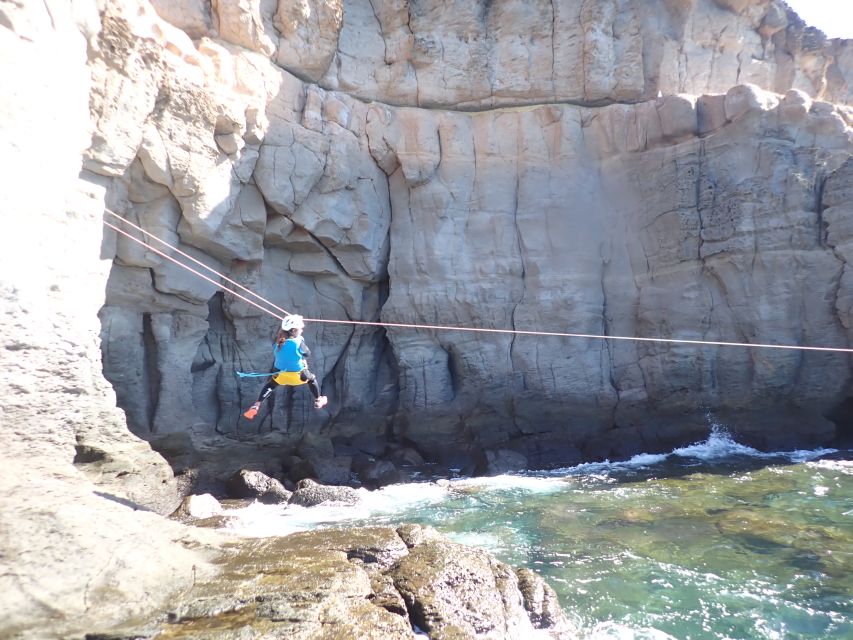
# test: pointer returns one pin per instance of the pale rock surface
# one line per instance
(201, 506)
(309, 36)
(485, 54)
(68, 459)
(192, 16)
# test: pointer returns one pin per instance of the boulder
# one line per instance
(254, 484)
(542, 605)
(433, 579)
(310, 494)
(372, 445)
(406, 457)
(380, 473)
(201, 506)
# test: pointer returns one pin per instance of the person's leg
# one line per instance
(311, 379)
(267, 389)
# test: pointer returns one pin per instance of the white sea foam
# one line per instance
(842, 466)
(529, 483)
(604, 468)
(719, 445)
(268, 520)
(261, 520)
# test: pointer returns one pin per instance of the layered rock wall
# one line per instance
(475, 55)
(352, 163)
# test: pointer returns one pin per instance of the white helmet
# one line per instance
(292, 322)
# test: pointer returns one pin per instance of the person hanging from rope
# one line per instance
(291, 367)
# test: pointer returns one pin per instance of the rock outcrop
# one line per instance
(81, 495)
(367, 583)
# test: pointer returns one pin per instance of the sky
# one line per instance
(833, 17)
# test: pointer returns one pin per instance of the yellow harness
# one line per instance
(290, 378)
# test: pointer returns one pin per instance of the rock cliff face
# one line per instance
(608, 171)
(655, 169)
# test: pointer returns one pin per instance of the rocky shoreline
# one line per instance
(372, 583)
(119, 397)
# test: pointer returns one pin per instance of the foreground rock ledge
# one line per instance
(369, 583)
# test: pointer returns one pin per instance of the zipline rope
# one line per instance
(189, 257)
(218, 285)
(434, 327)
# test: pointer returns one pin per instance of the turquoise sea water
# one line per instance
(711, 541)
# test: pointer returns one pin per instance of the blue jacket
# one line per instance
(290, 356)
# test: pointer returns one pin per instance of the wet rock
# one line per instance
(781, 430)
(406, 457)
(502, 461)
(380, 473)
(414, 534)
(541, 603)
(372, 445)
(370, 583)
(548, 450)
(309, 494)
(254, 484)
(437, 580)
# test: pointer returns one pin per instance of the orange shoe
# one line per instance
(320, 402)
(252, 411)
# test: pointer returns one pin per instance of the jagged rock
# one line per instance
(474, 56)
(542, 605)
(380, 473)
(310, 494)
(290, 186)
(346, 583)
(192, 16)
(246, 24)
(433, 579)
(80, 492)
(309, 37)
(254, 484)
